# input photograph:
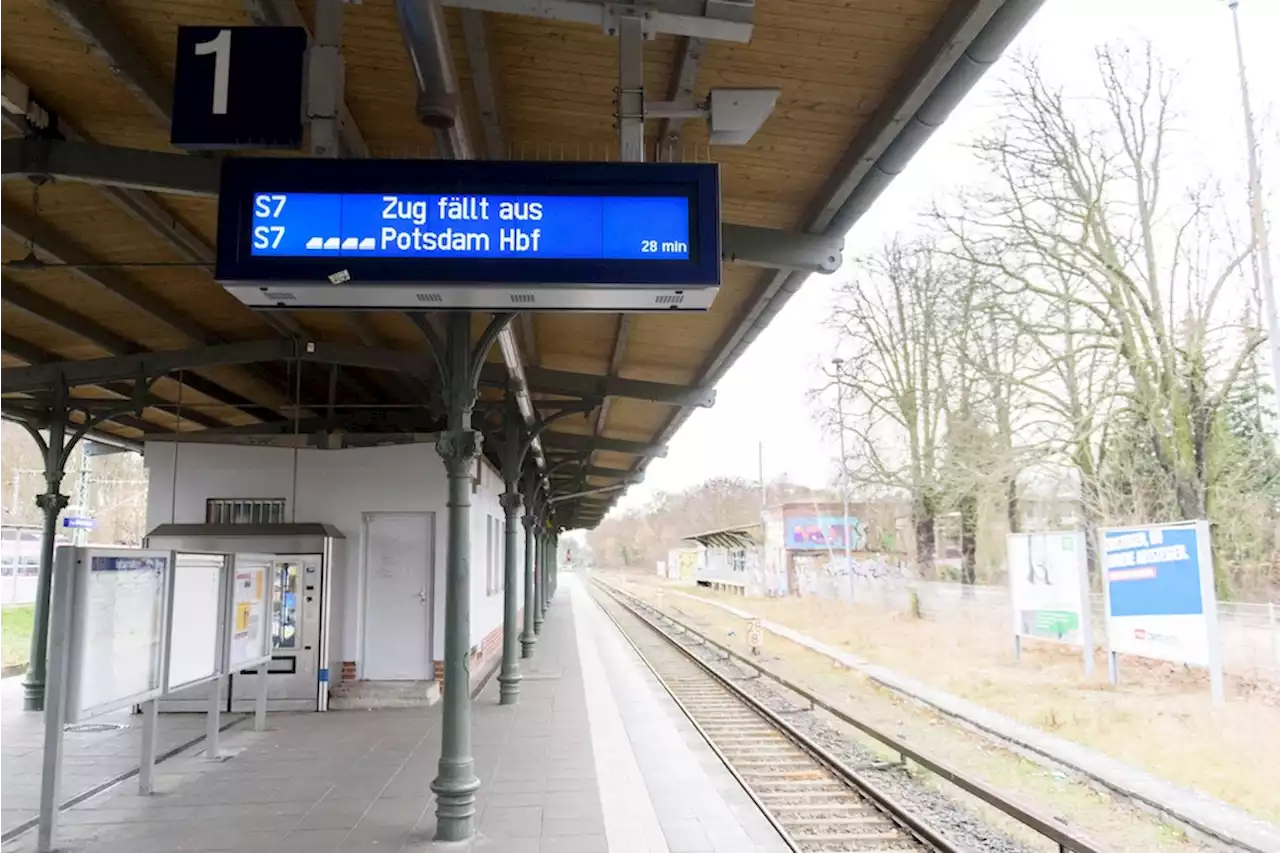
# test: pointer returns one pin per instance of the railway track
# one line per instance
(817, 804)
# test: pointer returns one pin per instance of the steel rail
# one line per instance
(1067, 841)
(764, 810)
(898, 814)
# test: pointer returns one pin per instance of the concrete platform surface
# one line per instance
(595, 758)
(92, 758)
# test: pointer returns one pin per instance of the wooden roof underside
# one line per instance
(845, 69)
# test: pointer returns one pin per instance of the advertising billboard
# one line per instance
(820, 532)
(1048, 585)
(1160, 596)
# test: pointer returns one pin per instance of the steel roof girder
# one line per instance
(248, 352)
(91, 21)
(98, 370)
(162, 172)
(721, 21)
(110, 165)
(785, 250)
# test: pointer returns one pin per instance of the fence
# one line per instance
(1250, 631)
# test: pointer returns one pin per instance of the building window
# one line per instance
(738, 560)
(244, 511)
(488, 555)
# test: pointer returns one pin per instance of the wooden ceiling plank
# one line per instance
(92, 23)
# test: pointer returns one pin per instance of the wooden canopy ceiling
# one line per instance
(124, 273)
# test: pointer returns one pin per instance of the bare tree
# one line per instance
(891, 323)
(1080, 218)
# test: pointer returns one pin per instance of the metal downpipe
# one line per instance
(539, 578)
(509, 677)
(529, 638)
(438, 104)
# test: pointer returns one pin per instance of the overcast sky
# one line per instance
(763, 397)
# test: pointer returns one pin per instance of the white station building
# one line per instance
(383, 592)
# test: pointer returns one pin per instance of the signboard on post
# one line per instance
(1049, 589)
(363, 233)
(78, 523)
(251, 605)
(1160, 596)
(238, 87)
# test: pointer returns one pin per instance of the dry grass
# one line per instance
(1159, 719)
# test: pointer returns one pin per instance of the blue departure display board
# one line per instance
(353, 222)
(393, 225)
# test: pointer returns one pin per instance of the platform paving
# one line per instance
(359, 780)
(92, 758)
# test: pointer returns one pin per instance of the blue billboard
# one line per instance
(1160, 598)
(821, 532)
(1153, 571)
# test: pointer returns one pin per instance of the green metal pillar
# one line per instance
(539, 576)
(456, 783)
(509, 677)
(546, 570)
(51, 504)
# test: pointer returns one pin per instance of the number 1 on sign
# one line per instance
(220, 47)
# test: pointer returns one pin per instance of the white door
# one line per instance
(398, 556)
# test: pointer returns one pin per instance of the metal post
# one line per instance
(260, 698)
(509, 677)
(212, 720)
(327, 79)
(529, 638)
(147, 764)
(844, 476)
(631, 88)
(456, 784)
(80, 536)
(1275, 639)
(1257, 220)
(51, 503)
(539, 577)
(59, 655)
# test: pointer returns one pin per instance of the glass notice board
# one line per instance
(252, 600)
(118, 629)
(196, 641)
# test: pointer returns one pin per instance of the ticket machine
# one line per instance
(305, 558)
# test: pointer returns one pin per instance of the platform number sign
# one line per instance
(238, 87)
